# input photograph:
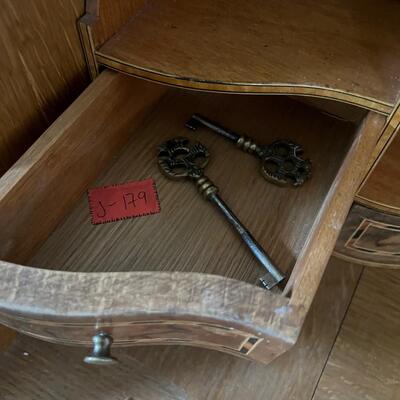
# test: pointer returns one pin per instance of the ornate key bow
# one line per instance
(180, 159)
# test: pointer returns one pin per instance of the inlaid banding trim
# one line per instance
(355, 241)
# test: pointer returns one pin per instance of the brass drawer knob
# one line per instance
(101, 353)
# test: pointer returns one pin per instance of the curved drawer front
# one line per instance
(179, 308)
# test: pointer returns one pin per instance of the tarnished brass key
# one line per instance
(281, 161)
(180, 159)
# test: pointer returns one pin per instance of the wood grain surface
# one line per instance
(6, 337)
(293, 376)
(387, 136)
(178, 308)
(102, 19)
(42, 186)
(42, 69)
(381, 190)
(307, 274)
(53, 371)
(179, 239)
(112, 16)
(189, 234)
(334, 48)
(365, 361)
(32, 369)
(370, 237)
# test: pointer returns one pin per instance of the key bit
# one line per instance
(281, 161)
(178, 158)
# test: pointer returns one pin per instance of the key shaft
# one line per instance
(197, 120)
(273, 276)
(177, 159)
(210, 192)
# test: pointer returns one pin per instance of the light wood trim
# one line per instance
(379, 189)
(370, 237)
(85, 32)
(76, 147)
(379, 206)
(360, 261)
(94, 30)
(310, 266)
(229, 87)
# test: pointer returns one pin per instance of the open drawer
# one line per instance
(181, 276)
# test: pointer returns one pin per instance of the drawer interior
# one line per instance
(189, 234)
(164, 278)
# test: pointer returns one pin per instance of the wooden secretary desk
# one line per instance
(182, 277)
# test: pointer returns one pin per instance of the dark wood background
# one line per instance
(42, 69)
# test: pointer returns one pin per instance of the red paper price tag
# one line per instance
(127, 200)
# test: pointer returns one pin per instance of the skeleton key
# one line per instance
(281, 161)
(179, 159)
